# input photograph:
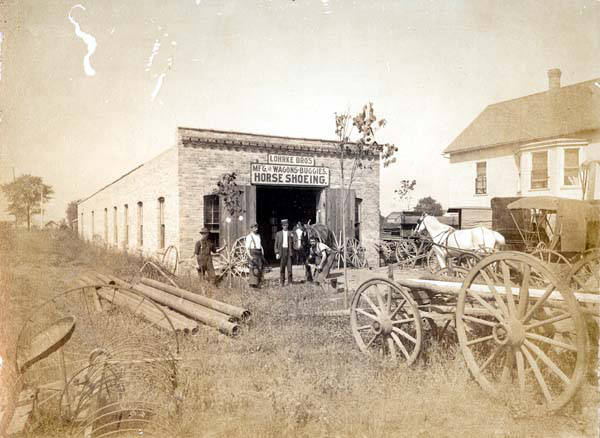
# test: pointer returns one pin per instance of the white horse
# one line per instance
(445, 238)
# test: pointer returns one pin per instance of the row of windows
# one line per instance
(539, 171)
(126, 224)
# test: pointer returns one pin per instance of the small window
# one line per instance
(571, 171)
(481, 178)
(106, 225)
(115, 227)
(125, 226)
(161, 222)
(539, 170)
(140, 218)
(357, 217)
(212, 217)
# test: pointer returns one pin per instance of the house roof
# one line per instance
(550, 114)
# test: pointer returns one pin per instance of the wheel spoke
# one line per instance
(506, 368)
(508, 289)
(397, 309)
(538, 374)
(400, 345)
(363, 327)
(485, 304)
(392, 349)
(380, 302)
(551, 341)
(490, 359)
(367, 314)
(538, 303)
(524, 290)
(403, 333)
(553, 367)
(372, 339)
(520, 370)
(480, 340)
(478, 320)
(495, 293)
(552, 320)
(403, 321)
(373, 306)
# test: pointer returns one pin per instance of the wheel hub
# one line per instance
(509, 333)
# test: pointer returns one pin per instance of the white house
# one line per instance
(543, 144)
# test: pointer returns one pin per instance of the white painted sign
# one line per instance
(274, 174)
(296, 160)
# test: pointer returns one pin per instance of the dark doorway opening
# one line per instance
(276, 203)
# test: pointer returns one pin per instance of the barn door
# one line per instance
(239, 224)
(333, 212)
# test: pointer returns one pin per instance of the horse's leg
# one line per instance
(441, 256)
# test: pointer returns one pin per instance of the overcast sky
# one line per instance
(277, 67)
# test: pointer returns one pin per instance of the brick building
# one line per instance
(167, 200)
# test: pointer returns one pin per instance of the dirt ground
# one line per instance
(288, 375)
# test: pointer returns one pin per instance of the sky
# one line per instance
(91, 89)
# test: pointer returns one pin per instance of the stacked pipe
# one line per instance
(185, 304)
(155, 314)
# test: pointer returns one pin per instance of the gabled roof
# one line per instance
(553, 113)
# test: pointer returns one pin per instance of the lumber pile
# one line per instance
(164, 305)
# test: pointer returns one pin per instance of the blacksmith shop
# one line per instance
(167, 200)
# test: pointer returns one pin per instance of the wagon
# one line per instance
(555, 230)
(517, 324)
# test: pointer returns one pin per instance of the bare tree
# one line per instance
(406, 186)
(359, 154)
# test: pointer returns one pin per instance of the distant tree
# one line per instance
(406, 186)
(230, 193)
(71, 213)
(25, 195)
(430, 206)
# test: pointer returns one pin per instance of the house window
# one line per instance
(212, 217)
(140, 219)
(481, 178)
(539, 170)
(115, 227)
(125, 226)
(161, 222)
(571, 170)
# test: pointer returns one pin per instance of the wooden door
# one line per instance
(239, 224)
(333, 212)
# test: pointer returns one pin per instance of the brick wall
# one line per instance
(146, 184)
(201, 164)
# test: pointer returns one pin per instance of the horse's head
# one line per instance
(420, 227)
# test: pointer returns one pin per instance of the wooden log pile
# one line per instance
(164, 305)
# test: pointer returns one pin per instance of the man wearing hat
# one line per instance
(204, 257)
(256, 256)
(284, 249)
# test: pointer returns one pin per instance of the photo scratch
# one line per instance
(160, 80)
(1, 39)
(155, 49)
(89, 40)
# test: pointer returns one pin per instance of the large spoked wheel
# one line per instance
(356, 254)
(516, 337)
(551, 257)
(385, 321)
(406, 252)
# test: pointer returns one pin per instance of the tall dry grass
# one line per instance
(289, 375)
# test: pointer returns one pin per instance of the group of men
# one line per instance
(291, 247)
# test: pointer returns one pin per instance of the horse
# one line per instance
(446, 238)
(322, 233)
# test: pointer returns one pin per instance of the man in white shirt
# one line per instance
(324, 258)
(284, 251)
(256, 255)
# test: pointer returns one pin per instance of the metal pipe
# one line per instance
(187, 308)
(238, 312)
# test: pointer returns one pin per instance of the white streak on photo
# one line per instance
(155, 49)
(89, 40)
(160, 80)
(1, 39)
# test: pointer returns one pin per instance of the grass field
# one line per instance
(288, 375)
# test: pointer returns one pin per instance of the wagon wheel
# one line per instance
(467, 260)
(385, 250)
(385, 320)
(356, 254)
(551, 257)
(507, 339)
(433, 264)
(452, 272)
(406, 252)
(234, 260)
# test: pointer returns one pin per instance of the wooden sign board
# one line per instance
(277, 175)
(294, 160)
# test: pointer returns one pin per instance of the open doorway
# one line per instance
(276, 203)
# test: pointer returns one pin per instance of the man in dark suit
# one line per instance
(301, 249)
(284, 251)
